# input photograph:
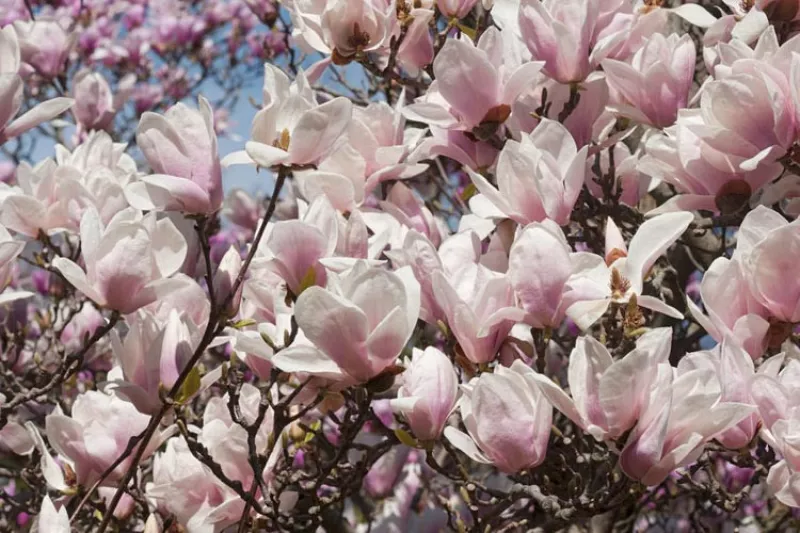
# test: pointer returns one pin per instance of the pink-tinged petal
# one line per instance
(784, 483)
(467, 80)
(298, 247)
(539, 267)
(559, 399)
(694, 14)
(51, 472)
(266, 156)
(317, 130)
(587, 363)
(342, 191)
(492, 194)
(586, 313)
(431, 114)
(51, 520)
(655, 304)
(77, 278)
(624, 388)
(41, 113)
(336, 326)
(771, 397)
(771, 259)
(307, 359)
(167, 193)
(463, 442)
(521, 80)
(650, 242)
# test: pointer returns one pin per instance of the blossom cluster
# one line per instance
(535, 268)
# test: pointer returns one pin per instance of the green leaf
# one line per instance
(243, 323)
(466, 30)
(189, 387)
(309, 280)
(406, 438)
(469, 191)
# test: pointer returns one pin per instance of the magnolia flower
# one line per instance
(9, 251)
(507, 417)
(607, 396)
(355, 335)
(539, 177)
(51, 520)
(11, 88)
(478, 302)
(44, 45)
(559, 32)
(151, 356)
(291, 128)
(95, 104)
(540, 267)
(663, 67)
(225, 279)
(92, 438)
(428, 393)
(181, 147)
(126, 261)
(682, 411)
(455, 8)
(777, 396)
(620, 276)
(474, 87)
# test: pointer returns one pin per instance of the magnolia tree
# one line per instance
(520, 265)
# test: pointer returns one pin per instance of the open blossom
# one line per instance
(682, 411)
(507, 419)
(478, 302)
(474, 87)
(11, 92)
(621, 275)
(539, 177)
(343, 28)
(44, 45)
(607, 396)
(292, 128)
(181, 147)
(355, 335)
(559, 32)
(95, 105)
(127, 261)
(428, 393)
(151, 356)
(655, 85)
(93, 437)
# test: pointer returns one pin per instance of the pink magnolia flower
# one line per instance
(411, 212)
(11, 88)
(540, 265)
(507, 417)
(474, 85)
(664, 67)
(44, 45)
(777, 396)
(354, 335)
(95, 104)
(455, 8)
(607, 396)
(152, 356)
(559, 32)
(768, 247)
(416, 50)
(93, 437)
(127, 262)
(478, 302)
(539, 177)
(601, 283)
(9, 251)
(459, 146)
(735, 375)
(225, 279)
(701, 173)
(181, 147)
(291, 128)
(344, 29)
(681, 413)
(374, 150)
(428, 393)
(51, 520)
